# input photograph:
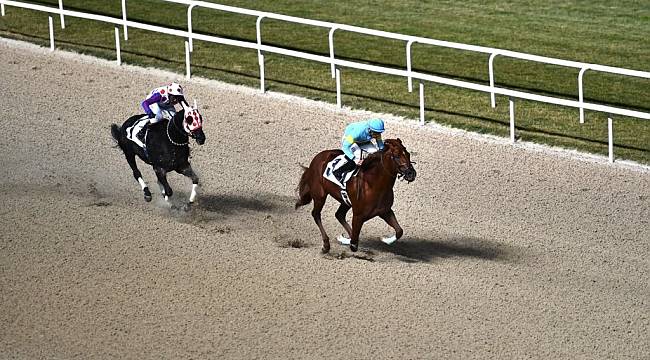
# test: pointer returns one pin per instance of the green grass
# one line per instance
(597, 31)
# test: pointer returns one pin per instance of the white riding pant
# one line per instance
(360, 151)
(162, 112)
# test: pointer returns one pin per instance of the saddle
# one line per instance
(328, 174)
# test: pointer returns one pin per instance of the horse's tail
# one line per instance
(117, 136)
(303, 190)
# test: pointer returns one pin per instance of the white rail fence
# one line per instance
(337, 64)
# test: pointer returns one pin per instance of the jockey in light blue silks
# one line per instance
(356, 140)
(159, 105)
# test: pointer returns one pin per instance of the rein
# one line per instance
(170, 138)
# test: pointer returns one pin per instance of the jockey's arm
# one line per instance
(380, 143)
(146, 104)
(346, 143)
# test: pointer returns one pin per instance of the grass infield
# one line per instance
(597, 31)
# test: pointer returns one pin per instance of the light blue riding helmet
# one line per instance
(376, 125)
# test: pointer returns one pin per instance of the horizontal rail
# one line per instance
(336, 63)
(417, 39)
(328, 59)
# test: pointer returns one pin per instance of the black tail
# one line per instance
(303, 190)
(117, 136)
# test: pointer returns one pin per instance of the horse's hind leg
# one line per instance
(130, 158)
(189, 172)
(391, 220)
(340, 216)
(319, 202)
(165, 189)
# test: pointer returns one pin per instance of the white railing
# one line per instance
(336, 64)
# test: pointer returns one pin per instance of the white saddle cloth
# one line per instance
(133, 130)
(336, 163)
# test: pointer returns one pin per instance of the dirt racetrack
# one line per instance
(509, 252)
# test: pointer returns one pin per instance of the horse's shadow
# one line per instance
(415, 249)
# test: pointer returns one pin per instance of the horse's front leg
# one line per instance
(357, 223)
(189, 172)
(390, 219)
(165, 189)
(130, 158)
(340, 216)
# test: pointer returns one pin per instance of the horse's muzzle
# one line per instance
(199, 136)
(409, 174)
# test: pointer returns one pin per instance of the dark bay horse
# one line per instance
(370, 191)
(167, 148)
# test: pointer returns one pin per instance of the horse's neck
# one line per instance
(381, 170)
(175, 128)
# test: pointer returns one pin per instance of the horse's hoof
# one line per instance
(354, 248)
(389, 240)
(147, 194)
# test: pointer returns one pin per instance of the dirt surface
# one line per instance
(509, 251)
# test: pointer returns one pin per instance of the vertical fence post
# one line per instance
(421, 103)
(51, 23)
(493, 100)
(260, 54)
(512, 119)
(189, 26)
(581, 94)
(117, 45)
(62, 17)
(330, 38)
(126, 32)
(610, 137)
(187, 60)
(338, 88)
(2, 9)
(409, 66)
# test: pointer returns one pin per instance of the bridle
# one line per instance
(399, 165)
(170, 138)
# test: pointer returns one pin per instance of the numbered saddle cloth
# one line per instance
(336, 163)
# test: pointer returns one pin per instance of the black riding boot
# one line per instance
(345, 168)
(141, 136)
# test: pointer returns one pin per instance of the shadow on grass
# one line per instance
(415, 250)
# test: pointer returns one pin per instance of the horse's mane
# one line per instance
(376, 157)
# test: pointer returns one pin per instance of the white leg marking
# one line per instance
(142, 183)
(343, 240)
(193, 194)
(389, 240)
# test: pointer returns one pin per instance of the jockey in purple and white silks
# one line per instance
(160, 102)
(159, 105)
(357, 139)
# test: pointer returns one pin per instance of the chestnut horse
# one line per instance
(370, 191)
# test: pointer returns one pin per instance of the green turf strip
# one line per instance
(599, 32)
